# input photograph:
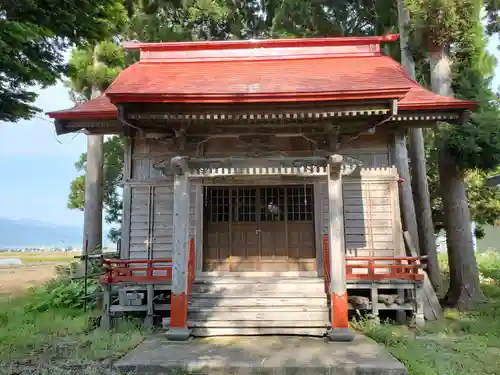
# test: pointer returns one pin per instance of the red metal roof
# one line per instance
(285, 70)
(99, 108)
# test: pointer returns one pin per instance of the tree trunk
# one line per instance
(92, 227)
(94, 185)
(465, 289)
(400, 159)
(420, 187)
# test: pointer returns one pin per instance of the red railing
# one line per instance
(381, 268)
(145, 270)
(125, 270)
(376, 268)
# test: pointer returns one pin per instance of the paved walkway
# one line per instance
(260, 355)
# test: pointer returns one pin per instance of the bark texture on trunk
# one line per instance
(94, 188)
(422, 199)
(420, 187)
(92, 226)
(465, 290)
(400, 159)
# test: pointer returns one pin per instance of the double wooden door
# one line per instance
(259, 229)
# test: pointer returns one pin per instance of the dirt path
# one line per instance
(16, 279)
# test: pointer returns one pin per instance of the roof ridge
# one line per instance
(284, 58)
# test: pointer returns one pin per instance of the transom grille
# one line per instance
(250, 204)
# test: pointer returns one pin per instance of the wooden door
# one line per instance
(245, 233)
(259, 229)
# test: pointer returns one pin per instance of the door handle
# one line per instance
(257, 231)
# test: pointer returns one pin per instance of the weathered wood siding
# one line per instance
(370, 209)
(151, 203)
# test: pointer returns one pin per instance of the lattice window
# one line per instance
(218, 207)
(244, 204)
(272, 204)
(300, 203)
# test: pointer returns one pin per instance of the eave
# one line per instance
(117, 98)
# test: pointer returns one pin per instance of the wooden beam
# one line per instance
(178, 330)
(338, 288)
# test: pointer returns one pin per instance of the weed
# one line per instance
(463, 344)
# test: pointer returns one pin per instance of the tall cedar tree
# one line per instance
(450, 38)
(93, 69)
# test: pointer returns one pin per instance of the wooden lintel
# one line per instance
(182, 164)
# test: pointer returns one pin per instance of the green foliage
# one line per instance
(95, 67)
(67, 289)
(59, 341)
(462, 344)
(437, 23)
(492, 10)
(63, 293)
(484, 201)
(33, 37)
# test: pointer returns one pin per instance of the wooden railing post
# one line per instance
(338, 287)
(178, 330)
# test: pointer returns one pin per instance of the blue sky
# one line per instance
(36, 166)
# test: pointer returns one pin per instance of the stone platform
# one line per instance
(249, 355)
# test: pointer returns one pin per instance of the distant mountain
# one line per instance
(31, 233)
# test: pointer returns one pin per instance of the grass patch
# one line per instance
(49, 337)
(41, 256)
(462, 344)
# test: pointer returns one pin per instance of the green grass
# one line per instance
(41, 256)
(462, 344)
(59, 341)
